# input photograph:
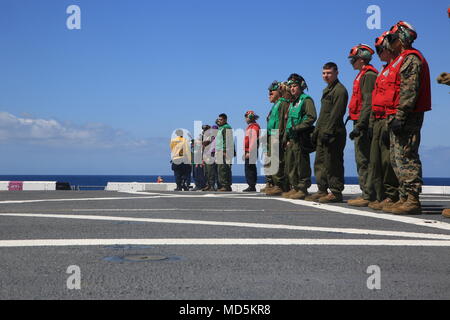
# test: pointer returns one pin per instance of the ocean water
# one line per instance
(98, 182)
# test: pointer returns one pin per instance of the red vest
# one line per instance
(251, 141)
(356, 102)
(386, 94)
(423, 103)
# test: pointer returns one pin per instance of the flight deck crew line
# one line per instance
(387, 109)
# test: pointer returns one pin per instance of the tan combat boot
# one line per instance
(446, 213)
(275, 191)
(299, 195)
(388, 209)
(331, 198)
(387, 203)
(375, 205)
(316, 196)
(288, 194)
(410, 206)
(267, 187)
(358, 202)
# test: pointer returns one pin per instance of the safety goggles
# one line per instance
(379, 49)
(379, 42)
(392, 37)
(354, 50)
(352, 60)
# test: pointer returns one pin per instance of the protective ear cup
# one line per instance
(303, 84)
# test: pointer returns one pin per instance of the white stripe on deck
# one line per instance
(77, 199)
(168, 209)
(239, 224)
(222, 242)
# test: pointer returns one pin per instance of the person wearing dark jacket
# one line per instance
(330, 137)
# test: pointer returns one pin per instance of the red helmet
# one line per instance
(403, 31)
(251, 115)
(379, 42)
(362, 51)
(354, 52)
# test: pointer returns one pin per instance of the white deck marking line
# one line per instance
(75, 199)
(385, 216)
(240, 224)
(433, 196)
(170, 209)
(222, 242)
(437, 200)
(337, 209)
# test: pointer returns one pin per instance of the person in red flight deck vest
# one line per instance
(251, 144)
(409, 94)
(360, 107)
(381, 174)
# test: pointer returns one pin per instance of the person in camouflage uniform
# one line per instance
(360, 108)
(276, 120)
(330, 137)
(297, 139)
(412, 100)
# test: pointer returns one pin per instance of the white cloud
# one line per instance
(28, 130)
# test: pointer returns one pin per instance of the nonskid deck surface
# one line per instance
(194, 245)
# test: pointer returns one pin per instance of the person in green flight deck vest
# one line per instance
(280, 96)
(297, 139)
(224, 153)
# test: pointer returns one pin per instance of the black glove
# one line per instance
(396, 126)
(355, 133)
(370, 133)
(327, 137)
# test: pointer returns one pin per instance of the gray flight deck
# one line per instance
(187, 245)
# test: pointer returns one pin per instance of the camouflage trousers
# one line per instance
(404, 155)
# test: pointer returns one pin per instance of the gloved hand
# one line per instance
(396, 126)
(327, 138)
(370, 133)
(355, 133)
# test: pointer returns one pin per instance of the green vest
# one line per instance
(220, 143)
(296, 116)
(274, 117)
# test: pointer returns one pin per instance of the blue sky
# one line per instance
(105, 99)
